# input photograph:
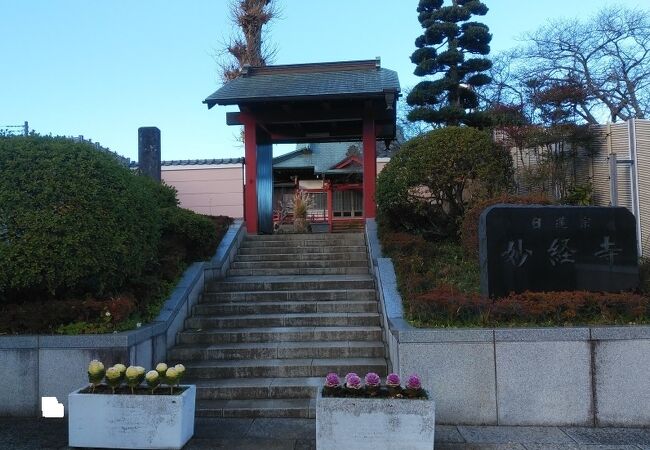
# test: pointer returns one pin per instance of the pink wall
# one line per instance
(212, 190)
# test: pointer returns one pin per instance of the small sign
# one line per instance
(557, 248)
(51, 408)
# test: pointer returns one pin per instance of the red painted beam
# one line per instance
(369, 168)
(250, 157)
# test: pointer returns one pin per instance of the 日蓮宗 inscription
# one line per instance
(557, 248)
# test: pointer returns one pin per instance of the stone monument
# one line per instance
(557, 248)
(149, 152)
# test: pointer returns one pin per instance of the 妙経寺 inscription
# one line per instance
(557, 248)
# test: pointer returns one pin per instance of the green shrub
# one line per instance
(72, 220)
(196, 233)
(430, 180)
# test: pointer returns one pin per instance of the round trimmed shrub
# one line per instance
(430, 180)
(72, 219)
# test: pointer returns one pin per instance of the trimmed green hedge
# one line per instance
(72, 220)
(428, 183)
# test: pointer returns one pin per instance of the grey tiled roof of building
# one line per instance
(195, 162)
(322, 156)
(306, 80)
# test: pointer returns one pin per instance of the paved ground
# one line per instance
(299, 434)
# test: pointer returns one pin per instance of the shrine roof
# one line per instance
(344, 79)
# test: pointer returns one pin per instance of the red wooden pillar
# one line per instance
(369, 167)
(250, 157)
(330, 205)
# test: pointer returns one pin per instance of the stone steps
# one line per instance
(278, 350)
(280, 334)
(290, 296)
(299, 271)
(304, 237)
(292, 283)
(272, 307)
(292, 309)
(285, 367)
(253, 408)
(283, 320)
(285, 250)
(272, 257)
(306, 243)
(257, 388)
(292, 264)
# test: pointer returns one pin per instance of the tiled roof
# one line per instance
(200, 162)
(194, 162)
(322, 156)
(306, 80)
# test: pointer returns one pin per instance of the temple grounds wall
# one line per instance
(32, 367)
(584, 376)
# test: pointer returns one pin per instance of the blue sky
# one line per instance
(103, 68)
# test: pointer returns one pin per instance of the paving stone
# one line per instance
(305, 444)
(452, 446)
(241, 444)
(579, 447)
(447, 434)
(504, 435)
(29, 434)
(609, 436)
(215, 428)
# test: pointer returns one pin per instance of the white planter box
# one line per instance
(131, 421)
(366, 423)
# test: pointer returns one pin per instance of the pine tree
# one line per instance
(443, 48)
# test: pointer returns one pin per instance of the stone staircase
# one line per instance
(292, 309)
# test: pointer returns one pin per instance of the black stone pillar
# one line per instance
(149, 152)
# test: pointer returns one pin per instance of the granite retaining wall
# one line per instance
(32, 367)
(584, 376)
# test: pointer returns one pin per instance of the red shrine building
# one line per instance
(324, 108)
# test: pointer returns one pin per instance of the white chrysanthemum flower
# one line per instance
(179, 368)
(161, 367)
(95, 367)
(141, 370)
(120, 367)
(152, 376)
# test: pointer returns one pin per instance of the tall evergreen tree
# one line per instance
(443, 48)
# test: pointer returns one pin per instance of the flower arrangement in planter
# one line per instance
(127, 407)
(362, 413)
(354, 387)
(120, 379)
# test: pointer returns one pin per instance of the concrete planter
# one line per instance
(368, 423)
(131, 421)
